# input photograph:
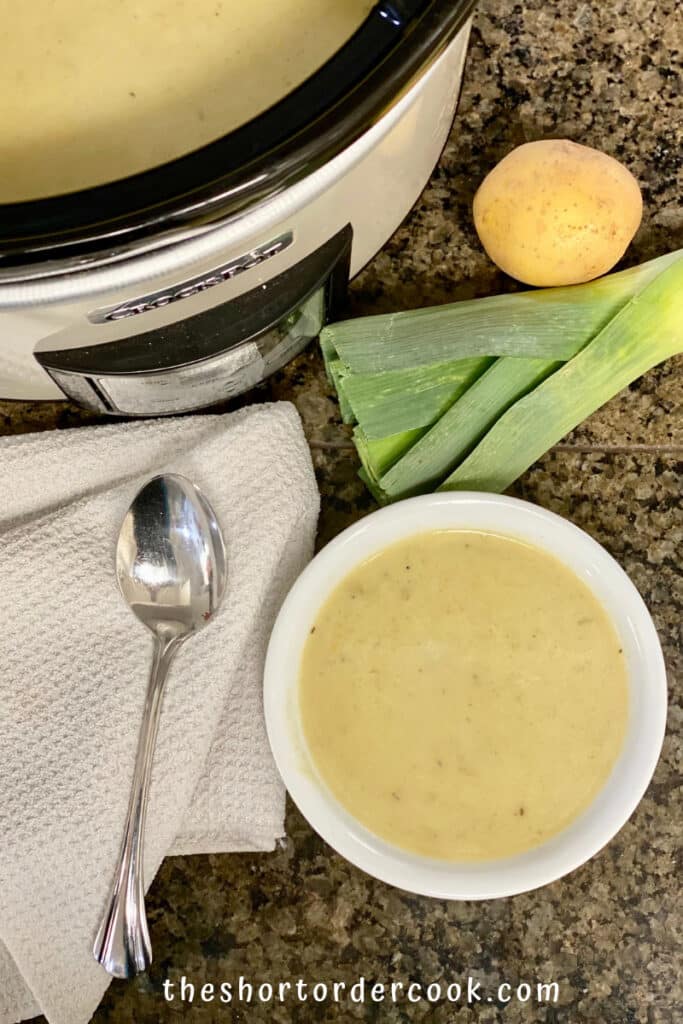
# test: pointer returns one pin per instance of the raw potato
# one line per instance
(556, 213)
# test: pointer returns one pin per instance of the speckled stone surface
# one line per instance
(607, 74)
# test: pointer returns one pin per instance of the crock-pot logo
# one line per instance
(183, 290)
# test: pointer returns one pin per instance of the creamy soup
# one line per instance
(464, 695)
(94, 90)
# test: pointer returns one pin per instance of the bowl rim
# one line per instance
(630, 776)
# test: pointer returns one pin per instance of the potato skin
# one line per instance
(557, 213)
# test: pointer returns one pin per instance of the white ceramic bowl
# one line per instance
(630, 775)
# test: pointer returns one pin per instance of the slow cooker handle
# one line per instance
(209, 357)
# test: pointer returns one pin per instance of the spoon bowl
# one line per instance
(170, 558)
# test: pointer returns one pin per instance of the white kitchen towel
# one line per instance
(73, 671)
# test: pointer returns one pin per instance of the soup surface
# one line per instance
(463, 695)
(92, 90)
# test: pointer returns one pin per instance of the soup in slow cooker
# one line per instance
(94, 91)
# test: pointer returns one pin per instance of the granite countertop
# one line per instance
(606, 73)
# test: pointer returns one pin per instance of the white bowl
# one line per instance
(647, 682)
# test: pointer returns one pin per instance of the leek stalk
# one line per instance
(336, 373)
(648, 330)
(433, 406)
(548, 324)
(454, 435)
(377, 456)
(390, 403)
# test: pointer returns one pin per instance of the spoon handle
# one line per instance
(122, 945)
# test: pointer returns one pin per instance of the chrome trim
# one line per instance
(193, 285)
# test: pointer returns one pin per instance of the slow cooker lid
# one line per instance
(274, 150)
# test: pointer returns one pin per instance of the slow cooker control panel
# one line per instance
(205, 358)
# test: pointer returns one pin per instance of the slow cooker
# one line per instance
(189, 283)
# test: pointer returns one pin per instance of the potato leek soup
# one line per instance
(91, 92)
(463, 695)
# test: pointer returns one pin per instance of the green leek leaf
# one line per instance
(648, 330)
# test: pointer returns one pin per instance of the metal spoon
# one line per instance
(171, 567)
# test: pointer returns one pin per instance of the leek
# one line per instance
(648, 330)
(336, 373)
(378, 455)
(432, 406)
(372, 486)
(389, 403)
(548, 324)
(328, 351)
(454, 435)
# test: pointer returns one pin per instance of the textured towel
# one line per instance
(74, 664)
